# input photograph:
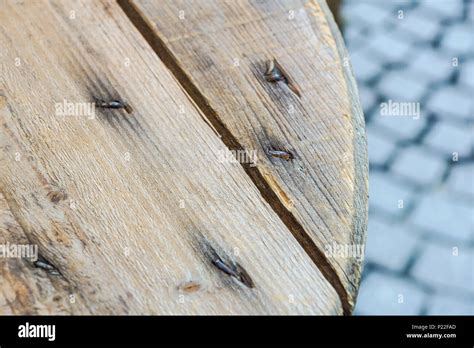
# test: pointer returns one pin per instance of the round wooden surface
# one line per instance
(223, 170)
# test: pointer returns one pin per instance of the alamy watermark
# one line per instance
(28, 330)
(238, 156)
(394, 108)
(345, 251)
(67, 108)
(19, 251)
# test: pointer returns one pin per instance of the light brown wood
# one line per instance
(135, 211)
(219, 52)
(24, 289)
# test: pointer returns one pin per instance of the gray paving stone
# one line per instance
(459, 39)
(352, 33)
(365, 65)
(432, 65)
(354, 37)
(395, 4)
(400, 127)
(386, 194)
(444, 215)
(451, 101)
(438, 267)
(389, 245)
(382, 294)
(448, 138)
(355, 45)
(470, 11)
(380, 148)
(415, 24)
(419, 166)
(467, 74)
(368, 13)
(367, 97)
(389, 47)
(448, 305)
(461, 179)
(402, 86)
(441, 8)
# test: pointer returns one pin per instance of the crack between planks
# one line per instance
(146, 29)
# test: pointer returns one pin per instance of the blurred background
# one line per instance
(420, 246)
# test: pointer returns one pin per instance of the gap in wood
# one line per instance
(159, 47)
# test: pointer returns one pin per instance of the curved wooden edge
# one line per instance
(361, 167)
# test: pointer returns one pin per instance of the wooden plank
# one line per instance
(24, 289)
(135, 211)
(219, 51)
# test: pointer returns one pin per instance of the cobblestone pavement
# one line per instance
(420, 246)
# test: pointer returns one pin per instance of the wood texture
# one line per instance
(26, 290)
(218, 50)
(136, 211)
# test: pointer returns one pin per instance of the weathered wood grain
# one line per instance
(25, 289)
(219, 51)
(135, 211)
